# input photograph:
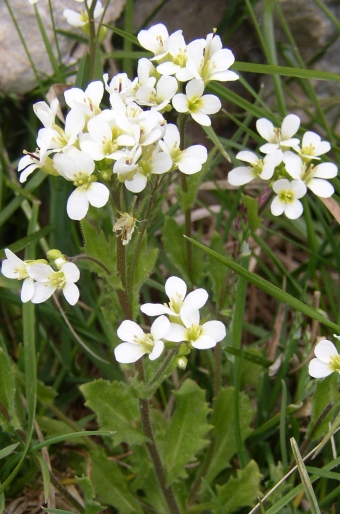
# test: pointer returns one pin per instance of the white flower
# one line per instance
(198, 336)
(312, 146)
(287, 199)
(176, 58)
(313, 176)
(48, 281)
(258, 168)
(13, 267)
(31, 162)
(160, 96)
(120, 85)
(82, 19)
(88, 101)
(152, 162)
(78, 167)
(137, 343)
(176, 290)
(195, 103)
(327, 360)
(188, 161)
(45, 113)
(210, 61)
(54, 138)
(154, 40)
(278, 137)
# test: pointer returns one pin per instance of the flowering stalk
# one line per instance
(92, 38)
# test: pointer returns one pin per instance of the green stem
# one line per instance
(92, 38)
(84, 257)
(140, 238)
(182, 118)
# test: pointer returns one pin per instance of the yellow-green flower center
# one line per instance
(286, 196)
(147, 340)
(57, 279)
(334, 363)
(195, 104)
(193, 333)
(82, 180)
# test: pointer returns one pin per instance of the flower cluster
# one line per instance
(327, 359)
(289, 164)
(131, 141)
(40, 279)
(182, 326)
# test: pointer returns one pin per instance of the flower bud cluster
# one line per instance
(178, 322)
(131, 142)
(290, 165)
(40, 279)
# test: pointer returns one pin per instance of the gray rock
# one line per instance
(17, 75)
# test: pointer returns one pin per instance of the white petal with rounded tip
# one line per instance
(137, 184)
(129, 330)
(71, 293)
(321, 187)
(41, 272)
(318, 369)
(157, 350)
(277, 207)
(160, 327)
(290, 125)
(324, 350)
(175, 286)
(155, 309)
(201, 118)
(245, 155)
(176, 333)
(42, 292)
(211, 104)
(266, 129)
(325, 170)
(71, 271)
(77, 204)
(215, 330)
(180, 103)
(127, 353)
(189, 316)
(27, 290)
(269, 148)
(204, 342)
(196, 299)
(294, 210)
(241, 175)
(195, 88)
(98, 194)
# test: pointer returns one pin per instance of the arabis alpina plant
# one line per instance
(278, 138)
(257, 168)
(13, 267)
(327, 360)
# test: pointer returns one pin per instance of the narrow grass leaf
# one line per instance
(8, 450)
(269, 288)
(305, 479)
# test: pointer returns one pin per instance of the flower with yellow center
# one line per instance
(196, 104)
(327, 360)
(48, 281)
(287, 199)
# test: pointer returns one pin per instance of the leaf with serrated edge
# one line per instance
(241, 491)
(116, 408)
(111, 485)
(188, 426)
(223, 419)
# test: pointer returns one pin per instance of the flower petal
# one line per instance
(160, 327)
(157, 350)
(129, 331)
(126, 353)
(324, 350)
(215, 330)
(318, 369)
(71, 293)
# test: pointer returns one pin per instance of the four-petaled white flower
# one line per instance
(77, 19)
(188, 161)
(154, 39)
(176, 291)
(196, 104)
(327, 360)
(198, 336)
(312, 146)
(258, 168)
(278, 137)
(313, 176)
(13, 267)
(48, 281)
(137, 343)
(78, 167)
(287, 199)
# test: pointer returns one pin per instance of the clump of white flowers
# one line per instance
(182, 326)
(291, 166)
(40, 279)
(130, 142)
